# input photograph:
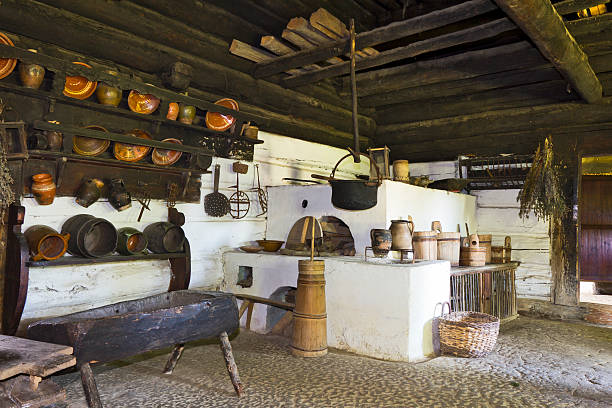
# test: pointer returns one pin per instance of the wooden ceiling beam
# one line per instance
(587, 26)
(506, 120)
(462, 87)
(468, 35)
(461, 66)
(545, 27)
(574, 6)
(377, 36)
(415, 9)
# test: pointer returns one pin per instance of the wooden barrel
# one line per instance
(425, 245)
(485, 242)
(309, 315)
(449, 245)
(471, 253)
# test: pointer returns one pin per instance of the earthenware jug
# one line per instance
(54, 140)
(401, 233)
(118, 196)
(38, 141)
(89, 192)
(108, 95)
(31, 75)
(43, 188)
(45, 243)
(381, 241)
(186, 113)
(173, 111)
(130, 241)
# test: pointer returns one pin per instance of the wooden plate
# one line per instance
(251, 249)
(142, 103)
(218, 121)
(79, 87)
(129, 152)
(89, 146)
(7, 65)
(165, 157)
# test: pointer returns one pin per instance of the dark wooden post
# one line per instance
(563, 230)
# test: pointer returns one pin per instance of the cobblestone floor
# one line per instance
(536, 363)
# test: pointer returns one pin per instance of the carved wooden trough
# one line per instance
(128, 328)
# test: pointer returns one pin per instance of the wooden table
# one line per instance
(23, 363)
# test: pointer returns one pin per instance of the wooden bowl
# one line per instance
(7, 65)
(142, 103)
(251, 249)
(79, 87)
(130, 152)
(89, 146)
(165, 157)
(218, 121)
(270, 245)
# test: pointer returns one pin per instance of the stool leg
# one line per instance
(174, 358)
(226, 347)
(89, 386)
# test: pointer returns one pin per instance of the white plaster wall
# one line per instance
(60, 290)
(395, 200)
(382, 311)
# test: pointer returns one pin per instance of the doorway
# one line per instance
(595, 239)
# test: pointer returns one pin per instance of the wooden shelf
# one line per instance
(74, 260)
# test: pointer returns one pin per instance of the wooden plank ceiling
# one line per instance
(471, 84)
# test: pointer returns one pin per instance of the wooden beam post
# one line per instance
(539, 20)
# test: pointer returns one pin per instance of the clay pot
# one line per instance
(164, 237)
(55, 140)
(108, 95)
(186, 113)
(173, 111)
(89, 192)
(43, 188)
(130, 241)
(118, 196)
(31, 75)
(401, 170)
(381, 242)
(38, 141)
(45, 243)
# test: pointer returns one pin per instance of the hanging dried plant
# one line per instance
(542, 192)
(6, 182)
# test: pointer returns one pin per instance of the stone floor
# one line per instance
(536, 363)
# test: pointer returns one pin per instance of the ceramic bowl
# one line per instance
(251, 249)
(130, 152)
(142, 103)
(165, 157)
(270, 245)
(218, 121)
(89, 146)
(79, 87)
(7, 65)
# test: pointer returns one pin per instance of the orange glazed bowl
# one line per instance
(7, 65)
(79, 87)
(142, 103)
(221, 121)
(132, 152)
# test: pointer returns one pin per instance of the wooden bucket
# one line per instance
(449, 244)
(471, 253)
(425, 245)
(309, 315)
(485, 242)
(502, 254)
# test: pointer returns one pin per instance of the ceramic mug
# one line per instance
(89, 192)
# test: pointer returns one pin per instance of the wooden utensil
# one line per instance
(216, 204)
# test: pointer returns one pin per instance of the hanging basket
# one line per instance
(467, 334)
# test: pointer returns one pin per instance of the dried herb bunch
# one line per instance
(542, 192)
(6, 181)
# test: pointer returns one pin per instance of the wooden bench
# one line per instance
(248, 302)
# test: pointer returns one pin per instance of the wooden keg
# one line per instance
(425, 245)
(471, 253)
(309, 315)
(449, 244)
(485, 242)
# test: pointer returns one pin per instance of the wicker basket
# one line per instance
(467, 334)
